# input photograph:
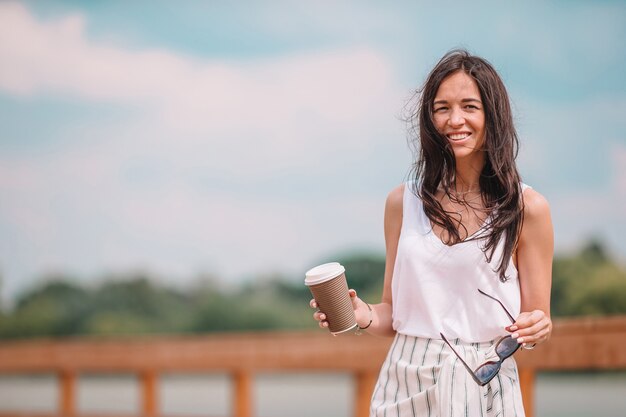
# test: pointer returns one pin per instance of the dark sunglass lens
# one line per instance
(486, 372)
(506, 347)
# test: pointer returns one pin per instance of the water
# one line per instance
(286, 395)
(581, 395)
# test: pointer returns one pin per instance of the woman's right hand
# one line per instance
(361, 311)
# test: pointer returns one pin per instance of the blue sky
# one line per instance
(244, 139)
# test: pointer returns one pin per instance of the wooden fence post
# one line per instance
(527, 384)
(67, 386)
(148, 380)
(365, 382)
(243, 394)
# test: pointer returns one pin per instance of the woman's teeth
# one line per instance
(458, 136)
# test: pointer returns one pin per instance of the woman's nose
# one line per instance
(456, 118)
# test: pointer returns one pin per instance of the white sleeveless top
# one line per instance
(435, 286)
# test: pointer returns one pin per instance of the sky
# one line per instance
(245, 139)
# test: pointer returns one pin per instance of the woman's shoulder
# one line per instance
(396, 195)
(395, 199)
(537, 223)
(535, 204)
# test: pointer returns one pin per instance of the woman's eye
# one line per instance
(440, 109)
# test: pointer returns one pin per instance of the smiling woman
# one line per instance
(464, 226)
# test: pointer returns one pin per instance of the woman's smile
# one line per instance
(458, 136)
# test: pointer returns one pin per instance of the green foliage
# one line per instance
(365, 273)
(273, 304)
(133, 303)
(588, 283)
(54, 309)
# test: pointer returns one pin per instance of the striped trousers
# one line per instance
(422, 377)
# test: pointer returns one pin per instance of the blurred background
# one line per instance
(173, 168)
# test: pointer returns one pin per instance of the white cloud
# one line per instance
(295, 104)
(190, 120)
(246, 165)
(56, 57)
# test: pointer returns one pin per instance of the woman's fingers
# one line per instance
(321, 317)
(318, 315)
(532, 327)
(353, 297)
(527, 320)
(534, 335)
(535, 338)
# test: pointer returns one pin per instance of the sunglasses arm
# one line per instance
(471, 372)
(499, 302)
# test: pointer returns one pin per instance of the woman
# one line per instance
(464, 230)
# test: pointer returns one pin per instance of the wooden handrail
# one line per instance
(576, 344)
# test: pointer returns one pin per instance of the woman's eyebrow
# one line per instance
(465, 100)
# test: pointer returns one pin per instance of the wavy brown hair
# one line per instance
(434, 166)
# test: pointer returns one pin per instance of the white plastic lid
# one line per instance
(323, 272)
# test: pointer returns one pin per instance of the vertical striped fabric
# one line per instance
(422, 377)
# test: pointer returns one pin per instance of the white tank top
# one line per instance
(435, 286)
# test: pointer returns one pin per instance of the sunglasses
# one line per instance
(505, 348)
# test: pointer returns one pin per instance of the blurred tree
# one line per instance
(263, 305)
(55, 308)
(159, 309)
(365, 273)
(586, 283)
(117, 323)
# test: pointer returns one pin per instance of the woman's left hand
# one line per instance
(531, 327)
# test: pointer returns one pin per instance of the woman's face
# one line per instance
(458, 115)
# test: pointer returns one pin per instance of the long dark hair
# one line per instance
(435, 166)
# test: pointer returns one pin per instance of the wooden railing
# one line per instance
(576, 344)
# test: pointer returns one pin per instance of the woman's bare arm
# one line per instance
(534, 262)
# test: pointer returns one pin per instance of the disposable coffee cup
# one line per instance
(327, 283)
